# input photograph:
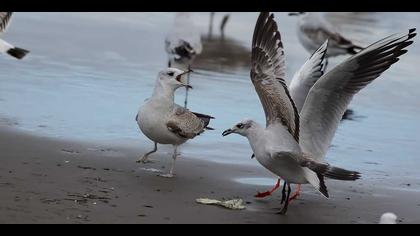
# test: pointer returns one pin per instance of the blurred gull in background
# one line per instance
(184, 39)
(313, 30)
(182, 44)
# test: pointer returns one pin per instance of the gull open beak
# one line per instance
(227, 132)
(179, 78)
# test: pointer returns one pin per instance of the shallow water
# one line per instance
(88, 73)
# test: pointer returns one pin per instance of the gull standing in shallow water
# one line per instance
(6, 47)
(165, 122)
(183, 44)
(184, 39)
(293, 146)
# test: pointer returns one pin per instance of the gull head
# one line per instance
(242, 128)
(174, 78)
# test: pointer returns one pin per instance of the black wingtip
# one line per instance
(322, 187)
(18, 53)
(412, 35)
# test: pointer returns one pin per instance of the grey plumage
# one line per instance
(307, 75)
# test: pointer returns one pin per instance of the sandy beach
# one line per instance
(69, 141)
(47, 181)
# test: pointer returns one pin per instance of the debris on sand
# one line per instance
(388, 218)
(233, 204)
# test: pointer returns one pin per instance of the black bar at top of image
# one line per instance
(212, 5)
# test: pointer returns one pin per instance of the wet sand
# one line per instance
(48, 181)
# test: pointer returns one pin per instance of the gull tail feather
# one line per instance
(332, 172)
(206, 119)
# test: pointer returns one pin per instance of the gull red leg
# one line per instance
(269, 192)
(296, 194)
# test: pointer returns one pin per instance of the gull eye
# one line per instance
(170, 73)
(240, 126)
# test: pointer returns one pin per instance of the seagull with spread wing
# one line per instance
(302, 82)
(293, 145)
(5, 47)
(165, 122)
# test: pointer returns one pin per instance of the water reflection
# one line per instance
(223, 54)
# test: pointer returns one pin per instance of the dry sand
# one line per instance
(49, 181)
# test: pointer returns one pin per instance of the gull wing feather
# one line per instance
(267, 75)
(329, 97)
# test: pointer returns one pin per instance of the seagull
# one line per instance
(5, 47)
(388, 219)
(164, 122)
(184, 40)
(299, 87)
(183, 44)
(313, 30)
(293, 145)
